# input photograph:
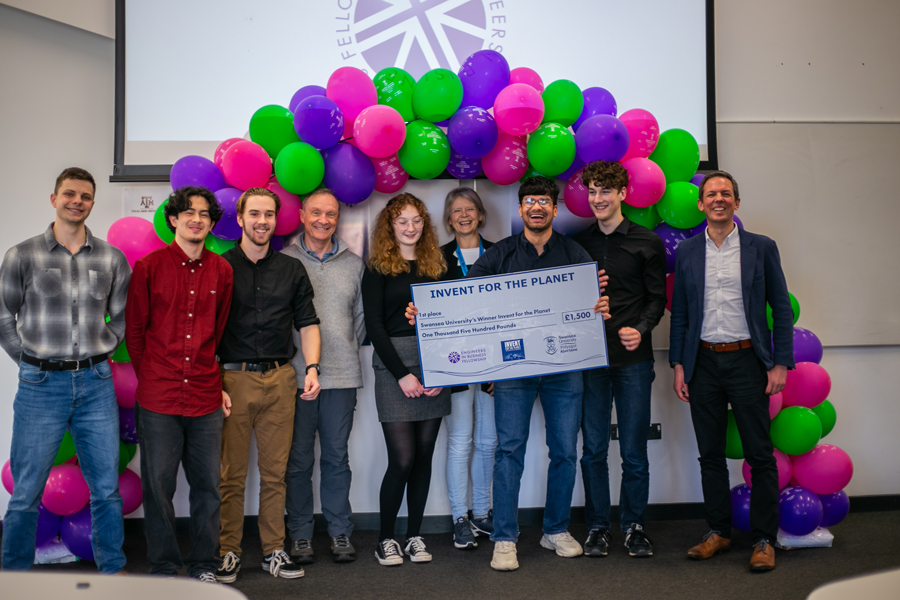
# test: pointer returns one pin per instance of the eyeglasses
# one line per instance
(529, 201)
(416, 223)
(463, 211)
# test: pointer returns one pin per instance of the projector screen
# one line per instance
(191, 73)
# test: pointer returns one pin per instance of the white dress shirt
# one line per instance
(724, 320)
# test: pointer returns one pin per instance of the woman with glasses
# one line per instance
(472, 415)
(404, 252)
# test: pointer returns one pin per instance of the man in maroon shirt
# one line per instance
(178, 303)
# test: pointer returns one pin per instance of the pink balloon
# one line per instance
(389, 174)
(221, 148)
(528, 77)
(575, 195)
(135, 237)
(125, 383)
(6, 478)
(246, 165)
(807, 385)
(518, 109)
(646, 182)
(66, 491)
(507, 162)
(775, 403)
(785, 470)
(130, 490)
(825, 469)
(352, 90)
(289, 215)
(379, 131)
(643, 131)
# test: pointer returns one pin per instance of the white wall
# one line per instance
(56, 110)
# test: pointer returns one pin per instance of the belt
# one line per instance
(63, 365)
(730, 347)
(257, 366)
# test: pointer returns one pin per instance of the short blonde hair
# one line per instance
(257, 192)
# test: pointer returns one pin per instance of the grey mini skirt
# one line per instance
(391, 402)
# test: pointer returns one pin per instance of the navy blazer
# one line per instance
(762, 281)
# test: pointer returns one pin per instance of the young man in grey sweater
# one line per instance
(336, 275)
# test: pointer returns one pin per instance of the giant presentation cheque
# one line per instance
(523, 324)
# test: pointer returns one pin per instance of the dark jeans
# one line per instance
(629, 388)
(737, 378)
(196, 443)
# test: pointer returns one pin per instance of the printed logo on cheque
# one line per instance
(551, 344)
(513, 350)
(454, 357)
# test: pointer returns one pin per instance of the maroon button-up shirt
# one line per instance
(174, 318)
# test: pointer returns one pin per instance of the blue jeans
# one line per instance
(561, 402)
(472, 414)
(48, 402)
(629, 387)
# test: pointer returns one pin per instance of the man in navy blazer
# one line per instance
(720, 350)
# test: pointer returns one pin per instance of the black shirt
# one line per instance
(269, 297)
(634, 258)
(516, 253)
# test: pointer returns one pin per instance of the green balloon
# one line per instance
(272, 127)
(551, 149)
(531, 172)
(126, 453)
(395, 89)
(121, 354)
(299, 168)
(161, 225)
(678, 205)
(678, 155)
(219, 246)
(647, 216)
(733, 446)
(563, 103)
(426, 152)
(795, 306)
(437, 95)
(796, 430)
(66, 450)
(827, 415)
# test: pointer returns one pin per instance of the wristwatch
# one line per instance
(673, 364)
(314, 366)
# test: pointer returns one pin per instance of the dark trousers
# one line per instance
(737, 378)
(195, 443)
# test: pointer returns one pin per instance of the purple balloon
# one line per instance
(483, 76)
(740, 507)
(807, 347)
(834, 508)
(602, 137)
(671, 237)
(277, 242)
(319, 122)
(597, 101)
(577, 164)
(462, 167)
(799, 510)
(127, 428)
(349, 173)
(697, 179)
(47, 525)
(227, 228)
(472, 132)
(196, 171)
(303, 93)
(75, 532)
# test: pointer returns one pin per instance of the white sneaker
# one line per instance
(504, 558)
(563, 543)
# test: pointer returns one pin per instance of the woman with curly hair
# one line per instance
(404, 252)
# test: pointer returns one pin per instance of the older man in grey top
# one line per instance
(336, 275)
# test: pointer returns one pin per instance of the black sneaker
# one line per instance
(228, 569)
(302, 552)
(463, 537)
(483, 524)
(280, 564)
(637, 542)
(205, 577)
(342, 549)
(388, 553)
(415, 549)
(597, 543)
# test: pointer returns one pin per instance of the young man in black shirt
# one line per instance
(633, 258)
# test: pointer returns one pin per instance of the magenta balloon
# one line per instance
(352, 90)
(507, 161)
(528, 77)
(220, 151)
(289, 215)
(835, 507)
(785, 470)
(472, 132)
(303, 93)
(799, 510)
(47, 525)
(319, 122)
(643, 131)
(379, 131)
(227, 228)
(462, 167)
(75, 533)
(246, 165)
(196, 171)
(124, 382)
(646, 182)
(518, 109)
(348, 173)
(135, 237)
(807, 347)
(807, 385)
(575, 196)
(66, 491)
(825, 469)
(6, 478)
(602, 137)
(597, 101)
(130, 490)
(389, 174)
(775, 403)
(483, 75)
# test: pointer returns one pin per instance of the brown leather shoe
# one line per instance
(711, 544)
(763, 558)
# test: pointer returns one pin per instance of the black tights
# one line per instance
(410, 446)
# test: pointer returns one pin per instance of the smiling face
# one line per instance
(408, 227)
(717, 201)
(464, 217)
(73, 201)
(606, 203)
(320, 214)
(537, 218)
(193, 225)
(258, 220)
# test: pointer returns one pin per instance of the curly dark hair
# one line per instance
(539, 186)
(180, 201)
(602, 174)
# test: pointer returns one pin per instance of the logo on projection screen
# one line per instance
(420, 35)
